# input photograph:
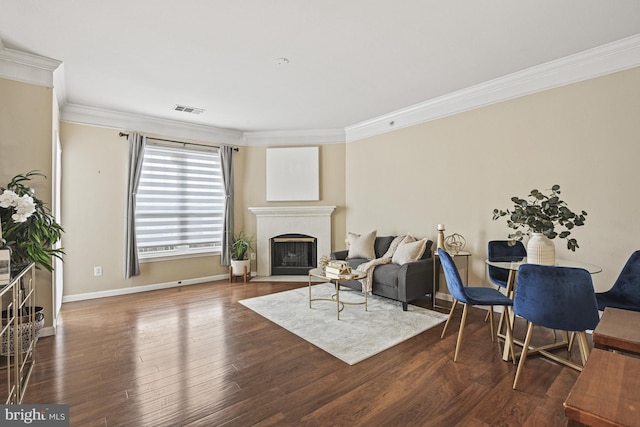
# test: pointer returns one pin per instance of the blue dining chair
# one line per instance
(625, 292)
(469, 296)
(499, 250)
(556, 298)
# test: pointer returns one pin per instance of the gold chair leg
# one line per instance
(584, 346)
(571, 340)
(453, 306)
(493, 335)
(523, 356)
(509, 335)
(502, 320)
(462, 322)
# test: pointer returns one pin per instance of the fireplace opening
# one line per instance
(293, 254)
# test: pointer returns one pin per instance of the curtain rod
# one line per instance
(121, 134)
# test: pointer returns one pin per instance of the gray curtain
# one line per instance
(226, 162)
(137, 143)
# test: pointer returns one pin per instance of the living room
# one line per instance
(397, 174)
(581, 136)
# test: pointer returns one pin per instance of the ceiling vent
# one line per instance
(191, 110)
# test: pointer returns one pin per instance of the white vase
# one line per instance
(541, 250)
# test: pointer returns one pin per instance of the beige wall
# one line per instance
(332, 188)
(94, 165)
(25, 145)
(93, 204)
(453, 171)
(456, 170)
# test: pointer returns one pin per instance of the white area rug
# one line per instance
(358, 334)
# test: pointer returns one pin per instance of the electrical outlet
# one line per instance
(97, 271)
(253, 256)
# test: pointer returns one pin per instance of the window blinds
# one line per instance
(180, 201)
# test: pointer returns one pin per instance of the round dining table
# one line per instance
(512, 265)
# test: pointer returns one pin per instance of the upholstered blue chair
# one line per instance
(625, 292)
(469, 296)
(499, 250)
(556, 298)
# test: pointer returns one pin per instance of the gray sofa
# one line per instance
(403, 283)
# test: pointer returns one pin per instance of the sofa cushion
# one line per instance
(355, 262)
(427, 250)
(362, 246)
(382, 245)
(409, 250)
(387, 274)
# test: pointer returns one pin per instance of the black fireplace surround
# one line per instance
(293, 254)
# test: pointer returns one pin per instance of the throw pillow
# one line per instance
(362, 246)
(409, 250)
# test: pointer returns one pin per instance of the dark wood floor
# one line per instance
(193, 356)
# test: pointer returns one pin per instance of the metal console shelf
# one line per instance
(18, 335)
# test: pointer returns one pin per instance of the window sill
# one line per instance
(175, 256)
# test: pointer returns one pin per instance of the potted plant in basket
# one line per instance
(538, 216)
(27, 226)
(240, 247)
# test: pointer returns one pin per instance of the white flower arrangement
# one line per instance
(23, 206)
(27, 226)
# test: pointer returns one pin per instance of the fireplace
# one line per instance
(293, 254)
(275, 221)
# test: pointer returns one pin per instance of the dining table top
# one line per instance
(514, 264)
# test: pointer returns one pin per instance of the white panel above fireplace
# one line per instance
(273, 221)
(293, 173)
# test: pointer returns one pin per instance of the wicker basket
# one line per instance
(6, 349)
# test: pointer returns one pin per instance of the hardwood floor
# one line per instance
(194, 356)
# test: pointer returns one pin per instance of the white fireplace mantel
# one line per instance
(273, 221)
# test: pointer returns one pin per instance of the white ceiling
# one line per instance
(350, 60)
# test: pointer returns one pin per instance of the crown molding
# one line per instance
(82, 114)
(60, 85)
(26, 67)
(294, 137)
(606, 59)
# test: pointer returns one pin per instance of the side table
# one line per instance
(18, 335)
(606, 392)
(618, 331)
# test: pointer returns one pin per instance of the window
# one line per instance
(180, 202)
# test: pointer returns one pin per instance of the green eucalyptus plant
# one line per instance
(542, 213)
(29, 228)
(240, 245)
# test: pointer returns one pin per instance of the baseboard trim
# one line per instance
(443, 296)
(47, 331)
(144, 288)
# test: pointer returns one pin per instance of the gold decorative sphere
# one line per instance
(454, 243)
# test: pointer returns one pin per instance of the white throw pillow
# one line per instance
(362, 246)
(409, 250)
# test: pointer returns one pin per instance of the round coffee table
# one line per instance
(321, 274)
